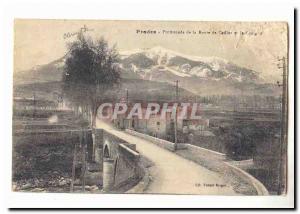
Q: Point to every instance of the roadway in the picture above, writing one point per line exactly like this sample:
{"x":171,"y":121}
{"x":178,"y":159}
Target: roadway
{"x":172,"y":174}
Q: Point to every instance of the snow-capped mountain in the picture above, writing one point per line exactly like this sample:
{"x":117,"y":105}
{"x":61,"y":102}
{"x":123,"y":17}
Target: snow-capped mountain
{"x":147,"y":63}
{"x":200,"y":75}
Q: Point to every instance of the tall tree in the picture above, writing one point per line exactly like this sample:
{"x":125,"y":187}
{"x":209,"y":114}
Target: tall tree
{"x":91,"y":71}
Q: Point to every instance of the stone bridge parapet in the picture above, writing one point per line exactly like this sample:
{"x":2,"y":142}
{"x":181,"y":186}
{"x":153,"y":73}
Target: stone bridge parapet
{"x":120,"y":159}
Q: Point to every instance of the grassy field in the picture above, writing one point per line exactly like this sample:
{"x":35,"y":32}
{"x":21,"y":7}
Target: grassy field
{"x":42,"y":161}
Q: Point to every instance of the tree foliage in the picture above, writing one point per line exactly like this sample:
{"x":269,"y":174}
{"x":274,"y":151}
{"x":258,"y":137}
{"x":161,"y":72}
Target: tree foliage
{"x":91,"y":72}
{"x":92,"y":63}
{"x":248,"y":140}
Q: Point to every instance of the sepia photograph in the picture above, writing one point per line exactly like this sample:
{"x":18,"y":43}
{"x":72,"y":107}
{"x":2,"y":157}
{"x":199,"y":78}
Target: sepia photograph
{"x":150,"y":107}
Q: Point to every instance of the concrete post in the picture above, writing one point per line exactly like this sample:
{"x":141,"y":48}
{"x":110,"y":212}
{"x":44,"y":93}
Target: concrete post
{"x":98,"y":145}
{"x":99,"y":156}
{"x":108,"y":174}
{"x":90,"y":146}
{"x":98,"y":137}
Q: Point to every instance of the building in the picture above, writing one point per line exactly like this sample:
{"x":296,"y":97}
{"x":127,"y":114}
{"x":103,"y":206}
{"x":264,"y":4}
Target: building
{"x":158,"y":126}
{"x":21,"y":103}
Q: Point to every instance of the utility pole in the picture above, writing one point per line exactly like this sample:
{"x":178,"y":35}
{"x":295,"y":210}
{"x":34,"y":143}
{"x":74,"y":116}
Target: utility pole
{"x":175,"y":122}
{"x":34,"y":105}
{"x":283,"y":124}
{"x":127,"y":124}
{"x":83,"y":157}
{"x":73,"y":167}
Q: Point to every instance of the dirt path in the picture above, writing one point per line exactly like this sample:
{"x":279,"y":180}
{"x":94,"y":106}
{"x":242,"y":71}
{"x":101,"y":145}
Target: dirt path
{"x":172,"y":174}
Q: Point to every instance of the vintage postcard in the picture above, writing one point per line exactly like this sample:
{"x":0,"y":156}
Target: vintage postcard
{"x":150,"y":107}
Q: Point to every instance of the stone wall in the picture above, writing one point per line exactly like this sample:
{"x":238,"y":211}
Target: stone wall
{"x":160,"y":142}
{"x":206,"y":153}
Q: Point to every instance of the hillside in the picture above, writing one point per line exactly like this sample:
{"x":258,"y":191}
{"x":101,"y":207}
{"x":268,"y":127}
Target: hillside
{"x":138,"y":90}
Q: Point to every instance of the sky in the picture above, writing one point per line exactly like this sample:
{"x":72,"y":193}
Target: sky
{"x":39,"y":42}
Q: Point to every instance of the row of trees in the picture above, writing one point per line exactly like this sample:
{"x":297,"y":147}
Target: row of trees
{"x":245,"y":141}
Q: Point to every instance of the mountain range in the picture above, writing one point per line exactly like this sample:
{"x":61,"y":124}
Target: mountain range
{"x":199,"y":75}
